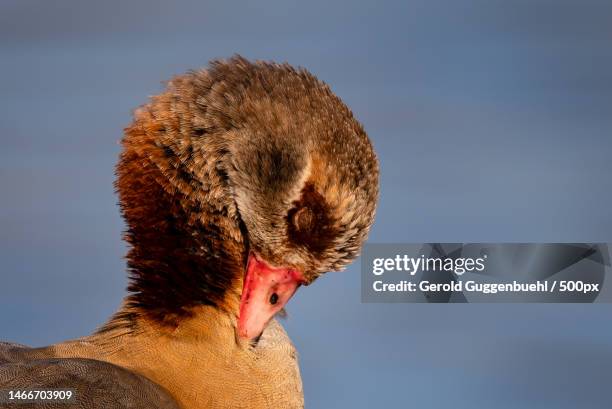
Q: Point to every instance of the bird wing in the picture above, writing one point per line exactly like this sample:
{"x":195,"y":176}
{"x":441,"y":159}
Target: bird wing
{"x":95,"y":384}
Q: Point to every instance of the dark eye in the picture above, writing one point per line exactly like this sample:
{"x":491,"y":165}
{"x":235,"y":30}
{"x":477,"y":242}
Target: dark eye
{"x":273,"y":298}
{"x":309,"y":223}
{"x":303,"y":219}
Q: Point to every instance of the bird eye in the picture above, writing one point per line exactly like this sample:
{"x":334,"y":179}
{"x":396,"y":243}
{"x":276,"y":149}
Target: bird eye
{"x":309,"y":223}
{"x":303,"y":219}
{"x":273,"y":298}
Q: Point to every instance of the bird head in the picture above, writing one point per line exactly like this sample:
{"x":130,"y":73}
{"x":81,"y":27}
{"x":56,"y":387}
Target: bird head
{"x":243,"y":178}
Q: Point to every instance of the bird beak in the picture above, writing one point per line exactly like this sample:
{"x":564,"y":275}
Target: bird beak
{"x":265,"y":292}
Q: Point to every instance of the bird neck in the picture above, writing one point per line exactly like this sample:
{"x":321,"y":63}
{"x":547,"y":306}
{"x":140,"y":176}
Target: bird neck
{"x":187,"y":244}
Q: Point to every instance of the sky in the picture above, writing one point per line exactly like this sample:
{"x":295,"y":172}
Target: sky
{"x":492,"y":121}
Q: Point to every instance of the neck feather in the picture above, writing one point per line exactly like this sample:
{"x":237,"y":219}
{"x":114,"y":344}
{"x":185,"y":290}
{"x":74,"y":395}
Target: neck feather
{"x":187,"y":247}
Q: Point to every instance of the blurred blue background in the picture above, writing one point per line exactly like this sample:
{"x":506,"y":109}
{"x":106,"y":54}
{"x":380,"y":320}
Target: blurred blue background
{"x":492,"y":120}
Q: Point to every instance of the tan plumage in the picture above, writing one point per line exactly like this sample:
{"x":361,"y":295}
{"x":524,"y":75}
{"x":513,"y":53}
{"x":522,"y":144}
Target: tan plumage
{"x":242,"y":158}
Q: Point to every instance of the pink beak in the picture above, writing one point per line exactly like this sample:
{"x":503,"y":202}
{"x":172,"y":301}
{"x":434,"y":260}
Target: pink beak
{"x":265,"y":292}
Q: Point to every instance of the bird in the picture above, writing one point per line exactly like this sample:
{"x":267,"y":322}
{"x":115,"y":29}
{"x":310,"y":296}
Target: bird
{"x":239,"y":183}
